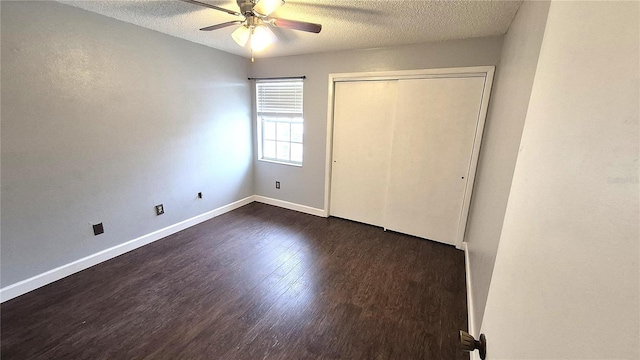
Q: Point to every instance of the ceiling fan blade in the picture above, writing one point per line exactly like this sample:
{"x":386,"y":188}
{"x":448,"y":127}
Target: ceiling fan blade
{"x":296,"y":25}
{"x":222,"y":25}
{"x":212,"y":7}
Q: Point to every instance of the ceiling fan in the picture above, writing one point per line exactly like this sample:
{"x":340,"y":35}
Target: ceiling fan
{"x":254,"y":28}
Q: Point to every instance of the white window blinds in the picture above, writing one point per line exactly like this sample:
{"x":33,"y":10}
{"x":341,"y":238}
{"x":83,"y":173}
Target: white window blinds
{"x":279,"y":98}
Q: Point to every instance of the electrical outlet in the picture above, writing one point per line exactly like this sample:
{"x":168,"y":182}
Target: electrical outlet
{"x":277,"y":184}
{"x":199,"y":195}
{"x":98,"y":229}
{"x":159,"y":209}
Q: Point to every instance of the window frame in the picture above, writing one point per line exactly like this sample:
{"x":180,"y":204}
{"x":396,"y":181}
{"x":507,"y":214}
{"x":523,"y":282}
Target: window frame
{"x":286,"y":116}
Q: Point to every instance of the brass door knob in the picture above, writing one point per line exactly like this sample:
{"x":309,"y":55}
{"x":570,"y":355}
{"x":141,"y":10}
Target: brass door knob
{"x":469,"y":343}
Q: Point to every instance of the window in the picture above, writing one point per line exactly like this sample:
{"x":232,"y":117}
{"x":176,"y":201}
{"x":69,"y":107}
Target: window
{"x":280,"y":120}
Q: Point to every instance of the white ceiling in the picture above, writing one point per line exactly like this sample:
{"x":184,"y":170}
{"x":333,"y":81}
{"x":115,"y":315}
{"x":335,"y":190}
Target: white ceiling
{"x":346,"y":24}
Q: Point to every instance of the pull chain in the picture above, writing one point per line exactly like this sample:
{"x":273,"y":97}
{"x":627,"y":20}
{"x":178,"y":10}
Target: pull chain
{"x":250,"y":44}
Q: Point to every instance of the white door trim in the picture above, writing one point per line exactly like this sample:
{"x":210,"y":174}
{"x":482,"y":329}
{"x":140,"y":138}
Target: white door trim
{"x":475,"y":153}
{"x":485,"y":71}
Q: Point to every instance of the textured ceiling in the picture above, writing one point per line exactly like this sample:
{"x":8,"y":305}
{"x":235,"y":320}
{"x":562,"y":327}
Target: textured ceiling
{"x":346,"y":24}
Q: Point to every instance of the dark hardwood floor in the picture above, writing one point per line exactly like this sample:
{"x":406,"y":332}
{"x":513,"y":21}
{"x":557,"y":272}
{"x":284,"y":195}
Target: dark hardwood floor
{"x":259,"y":282}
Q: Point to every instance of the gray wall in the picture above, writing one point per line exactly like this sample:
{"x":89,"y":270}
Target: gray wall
{"x":305,"y":185}
{"x":102,"y":120}
{"x":566,"y":282}
{"x":503,"y":130}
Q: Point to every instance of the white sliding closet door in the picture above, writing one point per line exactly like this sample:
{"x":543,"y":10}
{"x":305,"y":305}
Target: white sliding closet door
{"x":363,"y":128}
{"x":434,"y":133}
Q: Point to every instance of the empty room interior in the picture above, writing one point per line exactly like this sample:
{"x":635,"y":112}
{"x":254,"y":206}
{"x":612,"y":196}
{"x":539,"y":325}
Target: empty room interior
{"x":270,"y":179}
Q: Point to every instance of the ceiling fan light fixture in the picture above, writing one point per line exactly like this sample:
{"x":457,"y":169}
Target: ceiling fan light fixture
{"x":241,"y":35}
{"x":266,"y":7}
{"x":261,"y":37}
{"x":255,"y":26}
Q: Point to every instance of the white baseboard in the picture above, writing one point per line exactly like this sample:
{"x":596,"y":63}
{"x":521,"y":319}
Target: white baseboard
{"x":470,"y":312}
{"x":470,"y":318}
{"x":24,"y":286}
{"x":291,"y":206}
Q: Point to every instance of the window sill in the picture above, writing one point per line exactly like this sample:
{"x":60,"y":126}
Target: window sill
{"x":280,"y":162}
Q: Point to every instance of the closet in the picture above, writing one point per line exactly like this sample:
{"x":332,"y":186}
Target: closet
{"x":405,"y":148}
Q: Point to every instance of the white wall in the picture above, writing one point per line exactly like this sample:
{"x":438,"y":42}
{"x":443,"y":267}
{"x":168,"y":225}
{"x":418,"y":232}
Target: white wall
{"x":566,"y":278}
{"x":102,"y":120}
{"x":502,"y":133}
{"x":305,"y":185}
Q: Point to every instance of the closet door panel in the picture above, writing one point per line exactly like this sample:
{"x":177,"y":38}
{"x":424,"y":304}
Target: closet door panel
{"x":363,"y":124}
{"x":432,"y":144}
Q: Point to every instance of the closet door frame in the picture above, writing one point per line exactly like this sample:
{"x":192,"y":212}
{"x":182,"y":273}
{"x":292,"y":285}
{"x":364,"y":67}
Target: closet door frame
{"x":476,"y":71}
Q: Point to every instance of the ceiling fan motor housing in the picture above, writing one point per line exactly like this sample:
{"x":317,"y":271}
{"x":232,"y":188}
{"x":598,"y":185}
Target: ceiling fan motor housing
{"x":246,"y":7}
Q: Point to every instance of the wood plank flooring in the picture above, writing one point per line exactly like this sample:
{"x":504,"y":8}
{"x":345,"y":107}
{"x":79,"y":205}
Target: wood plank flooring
{"x":259,"y":282}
